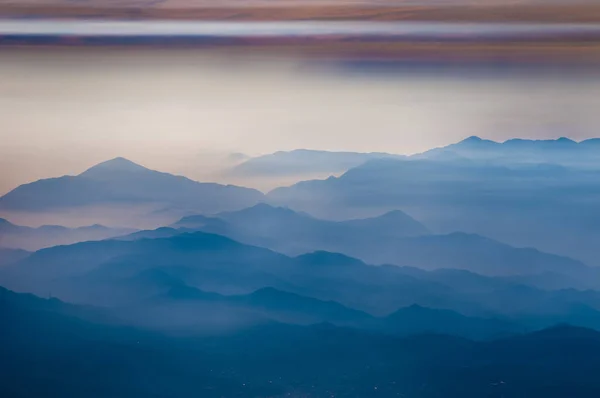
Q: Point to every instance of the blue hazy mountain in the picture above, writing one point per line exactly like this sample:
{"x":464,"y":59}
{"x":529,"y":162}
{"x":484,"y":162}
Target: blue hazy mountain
{"x":178,"y":307}
{"x":473,"y":253}
{"x":293,"y":233}
{"x":394,"y":223}
{"x":91,"y":270}
{"x":563,"y":151}
{"x":196,"y":311}
{"x":204,"y":311}
{"x":418,"y":320}
{"x":120,"y":181}
{"x":549,"y":207}
{"x":17,"y":236}
{"x":9,"y":256}
{"x":219,"y":251}
{"x":121,"y":273}
{"x":393,"y":238}
{"x":294,"y":304}
{"x":303,"y":162}
{"x":241,"y":298}
{"x":45,"y":351}
{"x":162,"y":232}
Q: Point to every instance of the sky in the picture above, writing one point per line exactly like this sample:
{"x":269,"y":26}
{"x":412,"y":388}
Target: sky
{"x":185,"y":112}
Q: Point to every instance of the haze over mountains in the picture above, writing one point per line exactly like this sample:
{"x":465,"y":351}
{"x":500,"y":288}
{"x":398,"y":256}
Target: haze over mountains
{"x":257,"y":362}
{"x":517,"y":194}
{"x":123,"y":185}
{"x":392,"y":238}
{"x":303,"y":162}
{"x":121,"y":181}
{"x":130,"y":275}
{"x":468,"y":270}
{"x":563,"y":151}
{"x":27,"y":238}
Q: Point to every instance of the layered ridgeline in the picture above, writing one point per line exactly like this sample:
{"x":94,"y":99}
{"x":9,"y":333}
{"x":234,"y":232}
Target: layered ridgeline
{"x":74,"y":354}
{"x":199,"y":281}
{"x":392,"y":238}
{"x":301,"y":163}
{"x":120,"y":182}
{"x":524,"y":193}
{"x":22,"y":237}
{"x":9,"y":256}
{"x":443,"y":274}
{"x":563,"y":151}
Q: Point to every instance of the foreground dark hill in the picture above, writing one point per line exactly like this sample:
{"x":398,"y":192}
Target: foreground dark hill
{"x":122,"y":182}
{"x":196,"y":310}
{"x":46,"y":352}
{"x":181,"y":308}
{"x":21,"y":237}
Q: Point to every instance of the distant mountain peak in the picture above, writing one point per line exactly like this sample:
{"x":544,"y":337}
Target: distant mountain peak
{"x":95,"y":226}
{"x":6,"y":225}
{"x":396,"y":219}
{"x":269,"y":208}
{"x":561,"y":140}
{"x":262,"y":210}
{"x":394,"y":214}
{"x":118,"y":164}
{"x":194,"y":219}
{"x":475,"y":140}
{"x":566,"y":140}
{"x":262,"y":206}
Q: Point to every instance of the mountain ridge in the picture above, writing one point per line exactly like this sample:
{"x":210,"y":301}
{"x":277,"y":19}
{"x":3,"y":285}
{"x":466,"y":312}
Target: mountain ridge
{"x":120,"y":181}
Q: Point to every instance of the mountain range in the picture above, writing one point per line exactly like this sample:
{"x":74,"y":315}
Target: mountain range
{"x":464,"y":271}
{"x":8,"y":256}
{"x":393,"y":238}
{"x":563,"y":151}
{"x":293,"y":233}
{"x":522,"y":204}
{"x":21,"y":237}
{"x":276,"y":359}
{"x":122,"y":182}
{"x":303,"y":162}
{"x":125,"y":274}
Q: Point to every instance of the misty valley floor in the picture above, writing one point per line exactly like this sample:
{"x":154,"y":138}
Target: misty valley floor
{"x":76,"y":358}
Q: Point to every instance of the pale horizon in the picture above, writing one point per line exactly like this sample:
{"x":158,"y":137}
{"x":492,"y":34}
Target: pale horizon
{"x":185,"y":112}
